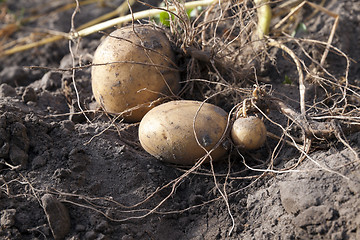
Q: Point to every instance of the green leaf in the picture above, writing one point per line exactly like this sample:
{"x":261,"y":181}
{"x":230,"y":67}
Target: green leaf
{"x":164,"y":18}
{"x":301,"y":28}
{"x":287,"y":80}
{"x":188,"y":12}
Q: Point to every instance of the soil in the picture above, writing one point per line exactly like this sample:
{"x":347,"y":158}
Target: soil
{"x":78,"y":180}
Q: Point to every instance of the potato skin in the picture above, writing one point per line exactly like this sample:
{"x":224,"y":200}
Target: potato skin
{"x":127,"y":78}
{"x":248,"y":133}
{"x":166,"y":131}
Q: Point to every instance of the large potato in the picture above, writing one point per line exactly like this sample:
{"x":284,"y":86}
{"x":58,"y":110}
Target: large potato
{"x":167,"y":131}
{"x":133,"y":71}
{"x":248,"y":133}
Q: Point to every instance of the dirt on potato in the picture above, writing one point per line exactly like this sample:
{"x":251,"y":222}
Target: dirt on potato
{"x":64,"y":177}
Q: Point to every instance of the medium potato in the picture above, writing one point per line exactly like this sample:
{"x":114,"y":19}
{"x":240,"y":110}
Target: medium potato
{"x":248,"y":133}
{"x":167,"y":132}
{"x":132,"y":70}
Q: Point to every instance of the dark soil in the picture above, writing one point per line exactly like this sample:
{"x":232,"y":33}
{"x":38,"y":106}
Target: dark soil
{"x":76,"y":183}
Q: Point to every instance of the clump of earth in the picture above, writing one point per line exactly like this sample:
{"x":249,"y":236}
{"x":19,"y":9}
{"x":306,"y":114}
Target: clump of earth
{"x":64,"y":177}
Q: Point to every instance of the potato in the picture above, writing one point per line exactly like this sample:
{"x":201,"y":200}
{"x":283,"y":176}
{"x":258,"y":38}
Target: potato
{"x":133,"y":71}
{"x":248,"y":133}
{"x":167,"y":132}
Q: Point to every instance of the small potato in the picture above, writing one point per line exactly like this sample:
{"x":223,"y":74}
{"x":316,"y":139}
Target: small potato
{"x":167,"y":131}
{"x":248,"y":133}
{"x":132,"y":71}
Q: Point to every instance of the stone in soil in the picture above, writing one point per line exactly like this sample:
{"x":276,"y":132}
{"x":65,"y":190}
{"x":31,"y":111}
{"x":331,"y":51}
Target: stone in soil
{"x":57,"y":216}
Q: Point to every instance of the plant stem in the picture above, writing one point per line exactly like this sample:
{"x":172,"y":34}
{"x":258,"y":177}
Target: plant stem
{"x":104,"y":25}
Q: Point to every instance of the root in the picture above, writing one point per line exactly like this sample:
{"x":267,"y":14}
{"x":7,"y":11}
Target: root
{"x":275,"y":43}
